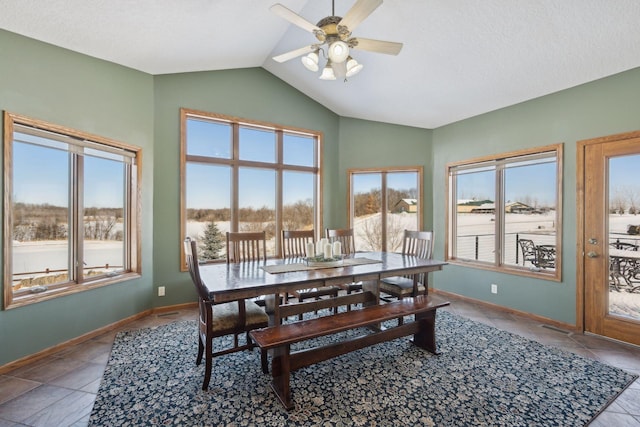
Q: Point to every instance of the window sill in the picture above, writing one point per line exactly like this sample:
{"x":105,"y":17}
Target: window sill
{"x":33,"y":298}
{"x":551,"y":275}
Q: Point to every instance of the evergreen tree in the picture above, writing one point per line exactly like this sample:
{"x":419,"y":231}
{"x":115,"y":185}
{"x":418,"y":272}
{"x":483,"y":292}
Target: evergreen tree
{"x":212,"y":242}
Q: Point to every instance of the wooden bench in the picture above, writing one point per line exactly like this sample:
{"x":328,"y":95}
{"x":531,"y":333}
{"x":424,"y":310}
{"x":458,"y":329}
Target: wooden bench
{"x":280,"y":337}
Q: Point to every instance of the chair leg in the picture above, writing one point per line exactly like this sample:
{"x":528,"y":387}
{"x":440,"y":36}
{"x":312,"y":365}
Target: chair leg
{"x":200,"y":350}
{"x":263,"y":360}
{"x":208,"y":362}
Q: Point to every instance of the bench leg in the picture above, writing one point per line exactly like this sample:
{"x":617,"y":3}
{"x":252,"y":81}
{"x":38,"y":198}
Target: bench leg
{"x":281,"y":373}
{"x":426,"y":336}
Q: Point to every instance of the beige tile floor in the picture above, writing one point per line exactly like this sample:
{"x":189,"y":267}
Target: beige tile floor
{"x":60,"y":390}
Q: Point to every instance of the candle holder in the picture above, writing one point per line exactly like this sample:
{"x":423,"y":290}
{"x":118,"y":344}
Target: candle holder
{"x":321,"y":261}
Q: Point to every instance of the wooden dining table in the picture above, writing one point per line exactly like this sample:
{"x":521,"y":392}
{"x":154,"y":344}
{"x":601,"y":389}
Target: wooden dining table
{"x":275,"y":277}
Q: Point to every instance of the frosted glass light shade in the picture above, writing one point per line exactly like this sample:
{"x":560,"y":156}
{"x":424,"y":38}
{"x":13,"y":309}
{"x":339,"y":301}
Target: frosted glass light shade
{"x":310,"y":61}
{"x":338,"y":51}
{"x":353,"y":67}
{"x":327,"y":72}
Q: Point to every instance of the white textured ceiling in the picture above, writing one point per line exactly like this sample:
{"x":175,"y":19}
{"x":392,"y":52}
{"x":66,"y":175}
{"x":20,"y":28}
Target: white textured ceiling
{"x":460,"y":58}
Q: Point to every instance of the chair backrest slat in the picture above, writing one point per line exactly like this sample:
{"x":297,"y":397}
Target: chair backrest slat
{"x":249,"y":246}
{"x":418,"y":243}
{"x":294,"y":243}
{"x":345,"y":237}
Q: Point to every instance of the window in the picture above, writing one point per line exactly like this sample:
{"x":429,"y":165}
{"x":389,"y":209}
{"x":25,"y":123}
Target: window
{"x":379,"y":222}
{"x":72,"y":215}
{"x":504,"y":212}
{"x":242,"y":175}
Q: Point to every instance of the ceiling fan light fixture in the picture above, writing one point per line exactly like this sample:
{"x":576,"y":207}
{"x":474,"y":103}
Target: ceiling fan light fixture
{"x":310,"y":61}
{"x":338,"y":51}
{"x":327,"y":72}
{"x":353,"y":67}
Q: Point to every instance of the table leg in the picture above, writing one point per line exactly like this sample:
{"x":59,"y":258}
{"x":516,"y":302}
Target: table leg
{"x":426,"y":336}
{"x":281,"y":374}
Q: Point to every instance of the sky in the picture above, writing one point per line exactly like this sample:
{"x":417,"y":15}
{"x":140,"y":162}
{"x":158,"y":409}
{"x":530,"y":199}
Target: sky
{"x":41,"y":175}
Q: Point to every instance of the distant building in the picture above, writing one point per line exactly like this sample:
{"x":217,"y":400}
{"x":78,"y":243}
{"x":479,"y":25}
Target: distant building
{"x":488,"y":207}
{"x":476,"y":206}
{"x":405,"y":205}
{"x":517,"y":207}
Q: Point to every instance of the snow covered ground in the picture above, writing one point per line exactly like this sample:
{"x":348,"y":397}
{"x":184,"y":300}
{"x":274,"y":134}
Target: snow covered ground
{"x":38,"y":256}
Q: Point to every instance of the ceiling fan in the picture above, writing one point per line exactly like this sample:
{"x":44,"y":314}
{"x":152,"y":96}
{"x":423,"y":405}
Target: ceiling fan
{"x":334,"y":35}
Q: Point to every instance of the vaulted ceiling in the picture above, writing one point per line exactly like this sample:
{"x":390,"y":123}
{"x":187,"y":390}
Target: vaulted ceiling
{"x":460,"y":58}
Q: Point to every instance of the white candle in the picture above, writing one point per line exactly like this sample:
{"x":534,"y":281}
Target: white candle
{"x":311,"y":250}
{"x":319,"y":247}
{"x":337,"y":248}
{"x":327,"y":250}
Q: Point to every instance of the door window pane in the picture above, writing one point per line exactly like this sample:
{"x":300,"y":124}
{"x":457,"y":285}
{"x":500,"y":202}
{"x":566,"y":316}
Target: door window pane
{"x":624,"y":236}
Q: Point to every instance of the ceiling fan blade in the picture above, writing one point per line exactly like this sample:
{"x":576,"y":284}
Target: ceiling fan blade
{"x":294,"y":18}
{"x":294,"y":53}
{"x":358,"y":13}
{"x":378,"y":46}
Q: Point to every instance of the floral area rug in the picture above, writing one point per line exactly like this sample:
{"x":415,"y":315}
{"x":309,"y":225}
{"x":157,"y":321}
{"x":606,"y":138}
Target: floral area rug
{"x":483,"y":377}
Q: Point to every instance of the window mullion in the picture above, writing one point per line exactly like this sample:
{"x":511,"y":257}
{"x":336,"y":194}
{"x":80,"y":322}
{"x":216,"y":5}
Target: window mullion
{"x":383,"y":209}
{"x":279,"y":189}
{"x":499,"y":214}
{"x":77,"y":208}
{"x":235,"y":176}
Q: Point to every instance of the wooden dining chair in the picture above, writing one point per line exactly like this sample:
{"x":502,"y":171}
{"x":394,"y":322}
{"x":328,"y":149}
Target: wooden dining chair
{"x":294,"y":245}
{"x":217,"y":320}
{"x":418,"y":244}
{"x":246,"y":246}
{"x":347,"y":241}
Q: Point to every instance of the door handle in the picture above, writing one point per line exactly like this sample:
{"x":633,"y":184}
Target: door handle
{"x":592,"y":254}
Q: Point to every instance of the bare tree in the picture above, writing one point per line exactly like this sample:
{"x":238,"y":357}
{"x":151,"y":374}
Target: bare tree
{"x":372,"y":233}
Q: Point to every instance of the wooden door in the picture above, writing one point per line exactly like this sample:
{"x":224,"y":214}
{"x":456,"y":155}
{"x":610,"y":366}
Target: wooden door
{"x":609,"y":185}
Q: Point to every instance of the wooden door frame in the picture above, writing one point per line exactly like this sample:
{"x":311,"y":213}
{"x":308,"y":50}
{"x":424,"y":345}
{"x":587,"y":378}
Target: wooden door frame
{"x":580,"y":216}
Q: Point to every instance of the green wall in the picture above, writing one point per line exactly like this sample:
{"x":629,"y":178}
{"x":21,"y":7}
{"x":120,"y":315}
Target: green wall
{"x":247,"y":93}
{"x":599,"y":108}
{"x":62,"y":87}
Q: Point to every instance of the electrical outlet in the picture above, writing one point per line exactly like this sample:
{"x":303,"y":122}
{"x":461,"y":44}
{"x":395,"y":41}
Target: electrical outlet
{"x":160,"y":291}
{"x":494,"y":288}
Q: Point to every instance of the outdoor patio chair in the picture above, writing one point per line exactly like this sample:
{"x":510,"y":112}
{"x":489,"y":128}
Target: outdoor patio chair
{"x":218,"y":320}
{"x":529,"y":252}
